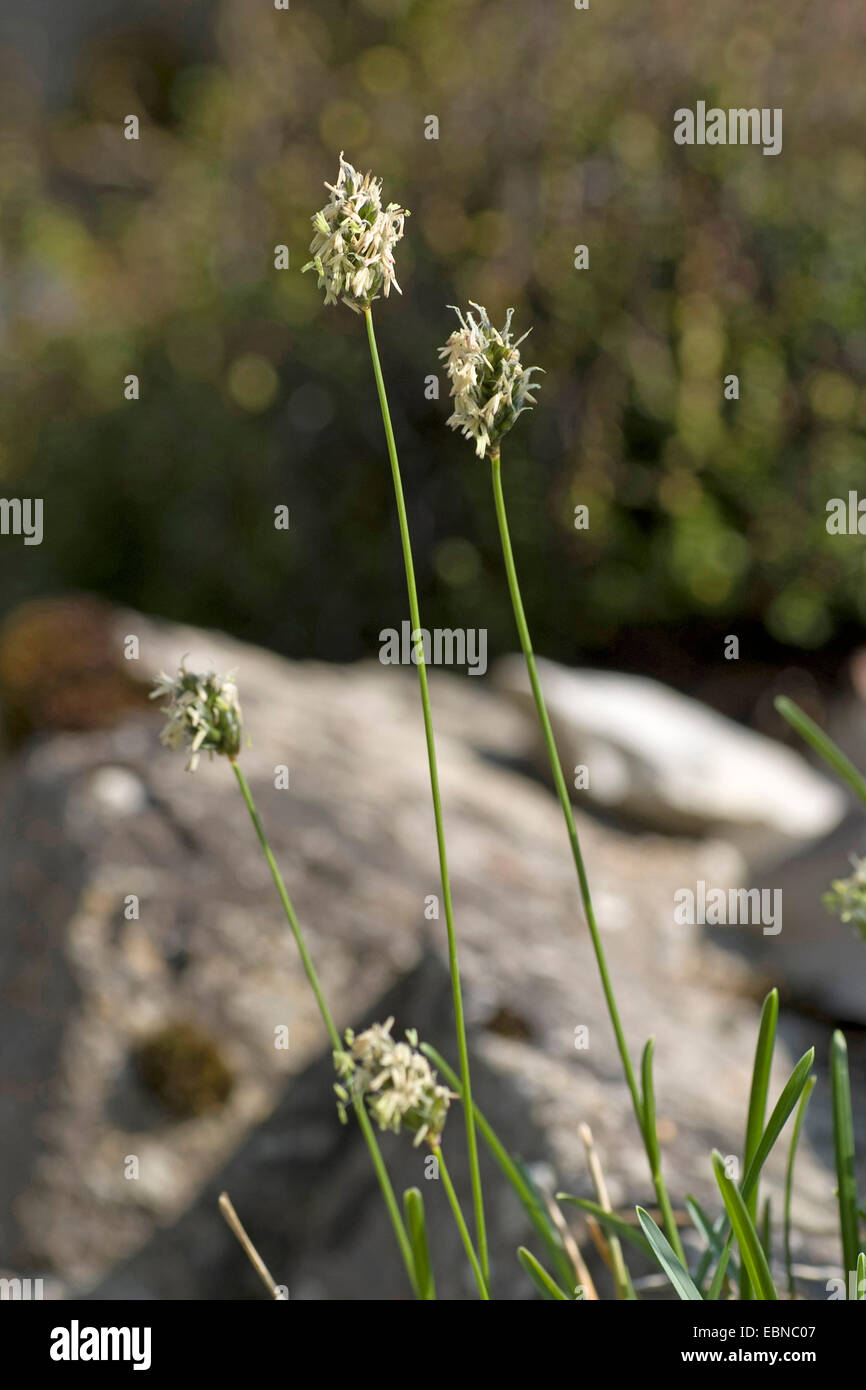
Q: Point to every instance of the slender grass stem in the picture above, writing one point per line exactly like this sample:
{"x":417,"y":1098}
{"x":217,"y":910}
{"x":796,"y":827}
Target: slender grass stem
{"x":306,"y":959}
{"x":456,"y":990}
{"x":529,"y":1198}
{"x":336,"y":1042}
{"x":462,"y":1228}
{"x":565,"y":803}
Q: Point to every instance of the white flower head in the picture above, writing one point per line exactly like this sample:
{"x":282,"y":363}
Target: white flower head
{"x":490,"y":386}
{"x":353,"y":246}
{"x":204,"y":714}
{"x":395,"y":1080}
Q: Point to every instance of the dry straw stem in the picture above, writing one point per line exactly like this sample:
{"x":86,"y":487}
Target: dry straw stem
{"x":235,"y":1225}
{"x":617,"y":1259}
{"x":570,"y":1245}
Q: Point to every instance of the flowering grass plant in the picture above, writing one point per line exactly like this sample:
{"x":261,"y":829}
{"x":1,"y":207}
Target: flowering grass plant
{"x":409,"y":1086}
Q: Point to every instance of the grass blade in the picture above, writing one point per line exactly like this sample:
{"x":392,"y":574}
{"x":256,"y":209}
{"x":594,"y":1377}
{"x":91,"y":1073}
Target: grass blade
{"x":757,"y":1114}
{"x":743,"y":1227}
{"x":767,"y":1230}
{"x":789,"y":1179}
{"x":416,"y":1227}
{"x":653,"y":1149}
{"x":843,"y":1146}
{"x":822,"y":744}
{"x":609,"y":1221}
{"x":861,"y":1276}
{"x":791,"y":1092}
{"x":715,"y":1290}
{"x":712,"y":1236}
{"x":543,"y":1281}
{"x":664,"y":1253}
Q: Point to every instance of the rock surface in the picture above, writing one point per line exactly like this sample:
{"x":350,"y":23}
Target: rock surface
{"x":677,"y":766}
{"x":817,"y":960}
{"x":92,"y":821}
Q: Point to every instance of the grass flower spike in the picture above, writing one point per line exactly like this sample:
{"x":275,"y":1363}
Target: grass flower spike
{"x":397,"y":1081}
{"x":204,"y":714}
{"x":489,"y":384}
{"x":396,"y":1084}
{"x":353,"y":246}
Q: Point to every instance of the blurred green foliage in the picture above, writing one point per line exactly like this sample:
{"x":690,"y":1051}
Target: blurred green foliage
{"x":156,"y":257}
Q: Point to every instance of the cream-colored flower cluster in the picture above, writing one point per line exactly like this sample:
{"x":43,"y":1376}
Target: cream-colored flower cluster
{"x":395,"y":1080}
{"x":353,"y":246}
{"x":489,"y":384}
{"x":847,"y":896}
{"x":204,"y":714}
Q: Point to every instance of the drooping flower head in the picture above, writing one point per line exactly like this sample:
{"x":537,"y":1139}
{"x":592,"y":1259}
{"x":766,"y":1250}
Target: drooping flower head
{"x":489,"y":384}
{"x":353,"y":246}
{"x":204,"y":714}
{"x":394,"y":1080}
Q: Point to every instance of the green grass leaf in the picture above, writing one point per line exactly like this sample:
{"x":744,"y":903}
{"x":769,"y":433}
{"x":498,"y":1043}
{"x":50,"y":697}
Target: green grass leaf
{"x":789,"y":1179}
{"x":664,"y":1253}
{"x":861,"y":1276}
{"x":543,"y":1281}
{"x":843,"y":1146}
{"x":653,"y":1148}
{"x":757,"y":1113}
{"x":822,"y":744}
{"x":791,"y":1093}
{"x":751,"y":1251}
{"x":416,"y":1228}
{"x":767,"y":1230}
{"x":609,"y":1221}
{"x":712,"y":1237}
{"x":648,"y":1098}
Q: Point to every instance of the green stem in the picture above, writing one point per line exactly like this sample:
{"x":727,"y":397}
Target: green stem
{"x":565,"y":803}
{"x":336,"y":1042}
{"x":537,"y":1214}
{"x":461,"y":1226}
{"x":456,"y":991}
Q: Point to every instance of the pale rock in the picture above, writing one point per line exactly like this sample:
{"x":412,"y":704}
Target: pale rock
{"x":674,"y":765}
{"x":354,"y":838}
